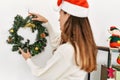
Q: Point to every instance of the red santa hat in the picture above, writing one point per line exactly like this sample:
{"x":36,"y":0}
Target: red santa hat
{"x":78,"y":8}
{"x":113,"y":28}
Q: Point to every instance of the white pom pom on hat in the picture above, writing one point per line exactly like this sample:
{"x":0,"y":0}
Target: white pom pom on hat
{"x":78,"y":8}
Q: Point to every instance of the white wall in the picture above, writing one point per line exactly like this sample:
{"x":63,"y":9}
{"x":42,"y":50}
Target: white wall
{"x":102,"y":14}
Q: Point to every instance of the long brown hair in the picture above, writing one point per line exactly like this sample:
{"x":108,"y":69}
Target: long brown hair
{"x":78,"y":31}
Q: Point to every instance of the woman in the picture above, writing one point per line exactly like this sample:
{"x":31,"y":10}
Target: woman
{"x":74,"y":50}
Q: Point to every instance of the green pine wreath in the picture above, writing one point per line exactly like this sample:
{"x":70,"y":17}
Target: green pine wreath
{"x":16,"y":40}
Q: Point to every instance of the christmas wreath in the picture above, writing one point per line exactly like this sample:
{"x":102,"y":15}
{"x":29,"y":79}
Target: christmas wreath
{"x":16,"y":40}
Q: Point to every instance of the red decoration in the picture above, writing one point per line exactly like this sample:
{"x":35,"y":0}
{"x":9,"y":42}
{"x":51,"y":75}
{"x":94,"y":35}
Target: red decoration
{"x":118,"y":59}
{"x":110,"y":72}
{"x":114,"y":39}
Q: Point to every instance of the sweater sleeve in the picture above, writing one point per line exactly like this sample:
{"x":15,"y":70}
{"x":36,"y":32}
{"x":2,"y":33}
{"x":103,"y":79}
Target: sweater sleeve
{"x":55,"y":37}
{"x":38,"y":71}
{"x":55,"y":67}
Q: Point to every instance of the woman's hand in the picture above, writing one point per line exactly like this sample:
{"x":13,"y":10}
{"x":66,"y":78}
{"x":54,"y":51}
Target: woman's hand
{"x":39,"y":17}
{"x":25,"y":55}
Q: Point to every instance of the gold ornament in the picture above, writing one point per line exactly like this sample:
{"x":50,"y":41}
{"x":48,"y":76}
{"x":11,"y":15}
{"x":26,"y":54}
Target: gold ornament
{"x":11,"y":30}
{"x":36,"y":48}
{"x":118,"y":41}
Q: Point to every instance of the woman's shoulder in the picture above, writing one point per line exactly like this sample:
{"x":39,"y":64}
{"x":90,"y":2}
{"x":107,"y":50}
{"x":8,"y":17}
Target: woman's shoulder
{"x":66,"y":48}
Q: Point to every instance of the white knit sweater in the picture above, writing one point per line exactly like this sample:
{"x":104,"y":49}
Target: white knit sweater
{"x":61,"y":66}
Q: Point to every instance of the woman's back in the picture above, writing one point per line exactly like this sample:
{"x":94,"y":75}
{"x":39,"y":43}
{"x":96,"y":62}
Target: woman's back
{"x":63,"y":65}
